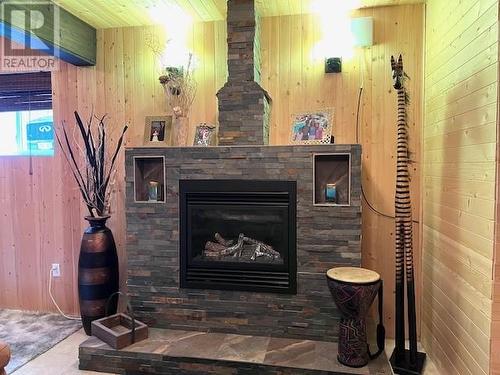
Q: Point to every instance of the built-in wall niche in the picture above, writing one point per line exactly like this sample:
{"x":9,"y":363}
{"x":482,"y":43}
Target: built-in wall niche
{"x":332,"y":179}
{"x":149,"y":179}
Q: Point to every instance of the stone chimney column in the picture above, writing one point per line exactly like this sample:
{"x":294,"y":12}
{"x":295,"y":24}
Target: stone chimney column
{"x":244,"y":106}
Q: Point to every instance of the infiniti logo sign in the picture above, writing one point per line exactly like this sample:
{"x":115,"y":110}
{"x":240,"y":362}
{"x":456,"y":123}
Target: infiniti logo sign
{"x":45,"y":128}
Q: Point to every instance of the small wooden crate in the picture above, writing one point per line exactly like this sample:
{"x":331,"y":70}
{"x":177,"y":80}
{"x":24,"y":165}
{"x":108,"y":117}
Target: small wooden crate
{"x":116,"y":330}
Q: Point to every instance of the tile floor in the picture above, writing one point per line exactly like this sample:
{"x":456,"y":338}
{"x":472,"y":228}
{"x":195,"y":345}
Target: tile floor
{"x":63,"y":359}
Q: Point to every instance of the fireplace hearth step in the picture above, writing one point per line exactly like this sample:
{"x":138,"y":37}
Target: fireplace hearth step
{"x":179,"y":352}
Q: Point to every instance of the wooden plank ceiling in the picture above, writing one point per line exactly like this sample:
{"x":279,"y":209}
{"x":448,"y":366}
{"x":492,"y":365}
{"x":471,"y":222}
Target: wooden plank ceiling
{"x":122,"y":13}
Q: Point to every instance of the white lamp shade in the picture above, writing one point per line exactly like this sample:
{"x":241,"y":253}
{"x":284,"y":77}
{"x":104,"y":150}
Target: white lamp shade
{"x":362,"y":31}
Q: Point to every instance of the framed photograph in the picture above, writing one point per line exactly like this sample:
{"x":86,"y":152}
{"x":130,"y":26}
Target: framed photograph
{"x":312,"y":127}
{"x":204,"y":135}
{"x":158,"y":131}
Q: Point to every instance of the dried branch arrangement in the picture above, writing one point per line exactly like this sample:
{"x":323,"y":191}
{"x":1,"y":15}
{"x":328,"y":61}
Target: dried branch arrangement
{"x":180,"y":88}
{"x":93,"y":166}
{"x":178,"y":83}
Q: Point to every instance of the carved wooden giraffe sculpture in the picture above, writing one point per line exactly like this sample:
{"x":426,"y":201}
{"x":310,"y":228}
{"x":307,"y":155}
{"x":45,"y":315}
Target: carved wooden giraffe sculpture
{"x":403,"y":228}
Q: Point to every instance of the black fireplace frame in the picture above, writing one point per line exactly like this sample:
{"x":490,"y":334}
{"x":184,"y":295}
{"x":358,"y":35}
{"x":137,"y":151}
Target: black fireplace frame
{"x":275,"y":278}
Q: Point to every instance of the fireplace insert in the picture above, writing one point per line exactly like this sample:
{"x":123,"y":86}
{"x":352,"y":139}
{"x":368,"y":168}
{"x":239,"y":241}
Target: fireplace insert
{"x":238,"y":235}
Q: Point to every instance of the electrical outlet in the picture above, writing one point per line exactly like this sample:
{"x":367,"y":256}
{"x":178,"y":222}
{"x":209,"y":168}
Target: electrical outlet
{"x":56,"y":270}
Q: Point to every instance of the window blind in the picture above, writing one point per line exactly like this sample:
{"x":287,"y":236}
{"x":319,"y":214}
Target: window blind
{"x":25,"y":91}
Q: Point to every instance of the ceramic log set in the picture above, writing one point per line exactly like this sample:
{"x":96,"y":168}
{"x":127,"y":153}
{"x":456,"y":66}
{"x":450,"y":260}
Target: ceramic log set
{"x":98,"y":276}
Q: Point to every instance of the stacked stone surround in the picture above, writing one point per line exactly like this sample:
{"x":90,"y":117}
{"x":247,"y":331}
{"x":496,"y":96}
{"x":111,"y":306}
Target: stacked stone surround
{"x":243,"y":114}
{"x":243,"y":104}
{"x":243,"y":45}
{"x":326,"y":237}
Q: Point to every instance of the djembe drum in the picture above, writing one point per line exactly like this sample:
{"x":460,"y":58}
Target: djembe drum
{"x":353,"y":290}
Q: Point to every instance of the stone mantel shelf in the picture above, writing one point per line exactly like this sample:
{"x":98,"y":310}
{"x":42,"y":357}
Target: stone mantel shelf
{"x":348,"y":145}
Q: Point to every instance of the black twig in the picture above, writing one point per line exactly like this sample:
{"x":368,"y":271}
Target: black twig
{"x":94,"y":185}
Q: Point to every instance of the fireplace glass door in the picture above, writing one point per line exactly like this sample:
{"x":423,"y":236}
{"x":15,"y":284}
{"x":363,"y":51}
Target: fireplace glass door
{"x":238,"y":234}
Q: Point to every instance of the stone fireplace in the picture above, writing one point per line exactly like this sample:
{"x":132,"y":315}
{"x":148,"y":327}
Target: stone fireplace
{"x":228,"y":246}
{"x":238,"y":235}
{"x":241,"y":242}
{"x":325,"y":237}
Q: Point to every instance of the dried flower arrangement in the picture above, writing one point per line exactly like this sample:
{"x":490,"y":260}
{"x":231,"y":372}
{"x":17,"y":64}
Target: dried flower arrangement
{"x":94,"y":166}
{"x":180,"y":88}
{"x":178,"y":82}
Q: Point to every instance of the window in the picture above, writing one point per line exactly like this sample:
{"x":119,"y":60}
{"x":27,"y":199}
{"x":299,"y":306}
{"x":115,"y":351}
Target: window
{"x":26,"y":120}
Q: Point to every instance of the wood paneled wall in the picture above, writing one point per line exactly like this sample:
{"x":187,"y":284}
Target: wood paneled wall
{"x":39,"y":225}
{"x":495,"y":311}
{"x":42,"y":217}
{"x":459,"y":148}
{"x":124,"y":84}
{"x":296,"y":81}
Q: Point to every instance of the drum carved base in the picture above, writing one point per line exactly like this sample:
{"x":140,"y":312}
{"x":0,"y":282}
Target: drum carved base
{"x":353,"y":351}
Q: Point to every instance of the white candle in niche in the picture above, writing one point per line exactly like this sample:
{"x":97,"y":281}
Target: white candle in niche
{"x":153,"y":191}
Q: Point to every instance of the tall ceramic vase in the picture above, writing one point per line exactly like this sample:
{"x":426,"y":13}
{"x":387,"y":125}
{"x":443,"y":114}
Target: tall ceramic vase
{"x":180,"y":125}
{"x":98,"y":275}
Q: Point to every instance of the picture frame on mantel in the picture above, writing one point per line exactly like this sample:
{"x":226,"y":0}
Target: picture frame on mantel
{"x":312,"y":127}
{"x":158,"y":131}
{"x":204,"y":135}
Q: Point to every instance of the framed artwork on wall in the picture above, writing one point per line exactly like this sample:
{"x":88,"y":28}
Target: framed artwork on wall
{"x":313,"y":127}
{"x":158,"y":131}
{"x":204,"y":135}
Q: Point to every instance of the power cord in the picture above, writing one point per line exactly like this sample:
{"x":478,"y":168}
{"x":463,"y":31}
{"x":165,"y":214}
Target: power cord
{"x":357,"y":114}
{"x":55,"y":303}
{"x":357,"y":141}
